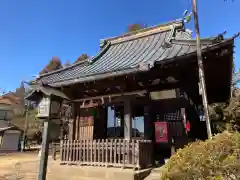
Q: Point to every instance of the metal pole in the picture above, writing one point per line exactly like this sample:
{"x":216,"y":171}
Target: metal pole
{"x":201,"y":70}
{"x":25,"y":126}
{"x":45,"y":147}
{"x":25,"y":130}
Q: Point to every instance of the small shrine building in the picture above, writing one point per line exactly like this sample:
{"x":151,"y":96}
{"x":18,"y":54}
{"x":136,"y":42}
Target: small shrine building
{"x":151,"y":73}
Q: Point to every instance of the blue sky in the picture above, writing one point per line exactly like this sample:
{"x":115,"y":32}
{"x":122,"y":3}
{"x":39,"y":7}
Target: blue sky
{"x":33,"y":31}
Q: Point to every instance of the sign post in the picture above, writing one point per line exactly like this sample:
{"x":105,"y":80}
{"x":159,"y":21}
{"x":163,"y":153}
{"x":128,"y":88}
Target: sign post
{"x":49,"y":103}
{"x":45,"y":146}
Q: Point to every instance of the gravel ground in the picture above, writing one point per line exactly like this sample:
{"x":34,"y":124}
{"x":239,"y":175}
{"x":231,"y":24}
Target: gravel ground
{"x":25,"y":166}
{"x":12,"y":164}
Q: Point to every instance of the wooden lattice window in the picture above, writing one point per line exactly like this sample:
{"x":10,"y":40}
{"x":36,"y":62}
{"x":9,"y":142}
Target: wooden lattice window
{"x":172,"y":116}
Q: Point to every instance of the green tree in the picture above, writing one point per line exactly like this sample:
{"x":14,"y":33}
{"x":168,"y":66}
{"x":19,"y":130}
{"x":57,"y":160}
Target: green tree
{"x":225,"y":115}
{"x":81,"y":58}
{"x":135,"y":27}
{"x":54,"y":64}
{"x":236,"y":78}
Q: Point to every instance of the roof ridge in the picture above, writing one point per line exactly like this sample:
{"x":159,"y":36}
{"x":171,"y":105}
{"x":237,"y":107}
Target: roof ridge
{"x":144,"y":32}
{"x":204,"y":41}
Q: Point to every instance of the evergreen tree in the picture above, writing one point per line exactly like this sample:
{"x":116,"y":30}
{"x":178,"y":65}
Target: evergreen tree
{"x":82,"y":57}
{"x":54,"y":64}
{"x":135,"y":27}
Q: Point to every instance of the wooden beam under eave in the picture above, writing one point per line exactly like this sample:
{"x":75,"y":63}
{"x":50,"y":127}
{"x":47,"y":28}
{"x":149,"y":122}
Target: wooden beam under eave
{"x":111,"y":96}
{"x":90,"y":104}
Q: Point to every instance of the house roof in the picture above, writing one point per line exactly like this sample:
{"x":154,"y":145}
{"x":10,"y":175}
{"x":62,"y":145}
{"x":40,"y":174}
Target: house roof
{"x":9,"y":99}
{"x":130,"y":53}
{"x":48,"y":91}
{"x":5,"y":101}
{"x":9,"y":128}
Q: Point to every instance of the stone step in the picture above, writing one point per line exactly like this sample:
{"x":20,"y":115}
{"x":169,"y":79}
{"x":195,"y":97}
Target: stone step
{"x":155,"y":174}
{"x":53,"y":177}
{"x":152,"y":178}
{"x":156,"y":170}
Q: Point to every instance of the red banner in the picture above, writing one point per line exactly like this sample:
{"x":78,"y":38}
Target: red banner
{"x":188,"y":126}
{"x":161,"y":132}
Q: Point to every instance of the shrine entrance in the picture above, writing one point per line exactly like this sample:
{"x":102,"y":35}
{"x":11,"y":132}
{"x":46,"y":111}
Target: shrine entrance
{"x":115,"y":127}
{"x":175,"y":122}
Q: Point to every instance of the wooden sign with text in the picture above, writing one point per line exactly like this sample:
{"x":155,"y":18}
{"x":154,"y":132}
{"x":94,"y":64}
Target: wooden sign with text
{"x":44,"y":108}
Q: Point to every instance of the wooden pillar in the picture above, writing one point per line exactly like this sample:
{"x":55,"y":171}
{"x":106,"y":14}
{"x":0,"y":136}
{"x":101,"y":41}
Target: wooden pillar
{"x":100,"y":123}
{"x":183,"y":114}
{"x":127,"y":119}
{"x":77,"y":124}
{"x":75,"y":110}
{"x":71,"y":124}
{"x":148,"y":127}
{"x":70,"y":127}
{"x":61,"y":130}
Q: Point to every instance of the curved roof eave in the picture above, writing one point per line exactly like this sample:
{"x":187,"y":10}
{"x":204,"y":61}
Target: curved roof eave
{"x":109,"y":41}
{"x":91,"y":60}
{"x":123,"y":55}
{"x":137,"y":68}
{"x":194,"y":53}
{"x":98,"y":76}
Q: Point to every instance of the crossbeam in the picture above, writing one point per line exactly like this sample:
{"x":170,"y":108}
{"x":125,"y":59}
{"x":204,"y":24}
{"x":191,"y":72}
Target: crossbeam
{"x":140,"y":93}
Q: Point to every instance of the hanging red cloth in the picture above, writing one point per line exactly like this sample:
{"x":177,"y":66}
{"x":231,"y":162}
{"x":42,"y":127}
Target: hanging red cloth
{"x":161,"y":132}
{"x":188,"y":126}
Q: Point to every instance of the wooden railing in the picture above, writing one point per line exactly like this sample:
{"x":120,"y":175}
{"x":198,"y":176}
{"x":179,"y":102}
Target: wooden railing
{"x":107,"y":152}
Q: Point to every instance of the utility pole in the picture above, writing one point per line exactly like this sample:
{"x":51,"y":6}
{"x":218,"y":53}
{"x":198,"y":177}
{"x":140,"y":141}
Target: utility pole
{"x":26,"y":108}
{"x":201,"y":70}
{"x":26,"y":105}
{"x":25,"y":128}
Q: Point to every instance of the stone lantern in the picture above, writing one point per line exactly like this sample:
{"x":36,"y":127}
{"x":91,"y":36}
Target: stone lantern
{"x":49,"y":102}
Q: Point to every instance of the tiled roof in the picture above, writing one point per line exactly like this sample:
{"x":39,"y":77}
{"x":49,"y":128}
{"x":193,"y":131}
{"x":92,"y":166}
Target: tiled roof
{"x":5,"y":101}
{"x":129,"y":53}
{"x":46,"y":91}
{"x":9,"y":98}
{"x":5,"y":128}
